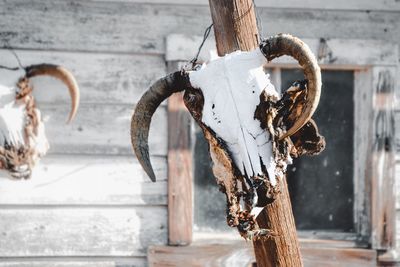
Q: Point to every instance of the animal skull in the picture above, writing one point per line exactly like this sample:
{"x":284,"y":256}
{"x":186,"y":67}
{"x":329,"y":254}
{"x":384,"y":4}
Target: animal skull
{"x":242,"y":117}
{"x":22,"y":132}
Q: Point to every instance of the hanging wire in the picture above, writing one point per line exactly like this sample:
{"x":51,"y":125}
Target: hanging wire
{"x":9,"y":68}
{"x":205,"y":36}
{"x":244,"y":14}
{"x":208,"y":30}
{"x":16,"y":56}
{"x":9,"y":48}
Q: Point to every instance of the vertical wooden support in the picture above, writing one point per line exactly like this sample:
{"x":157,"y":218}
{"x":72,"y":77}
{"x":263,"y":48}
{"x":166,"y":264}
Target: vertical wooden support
{"x":283,"y":250}
{"x":235,"y":29}
{"x":235,"y":25}
{"x":383,"y":210}
{"x":362,"y":150}
{"x":180,"y":182}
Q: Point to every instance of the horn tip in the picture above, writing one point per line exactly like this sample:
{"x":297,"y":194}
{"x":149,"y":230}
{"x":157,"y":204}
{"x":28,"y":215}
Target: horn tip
{"x":283,"y":136}
{"x":69,"y":120}
{"x":152,"y":176}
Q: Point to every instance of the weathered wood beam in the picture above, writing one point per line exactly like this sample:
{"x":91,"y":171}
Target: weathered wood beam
{"x":383,"y":211}
{"x":240,"y":254}
{"x":235,"y":28}
{"x":180,"y":182}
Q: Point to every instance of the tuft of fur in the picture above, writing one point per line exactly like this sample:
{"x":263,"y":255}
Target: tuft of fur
{"x":22,"y":134}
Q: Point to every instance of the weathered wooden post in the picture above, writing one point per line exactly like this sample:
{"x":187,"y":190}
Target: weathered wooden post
{"x":235,"y":28}
{"x":252,"y":132}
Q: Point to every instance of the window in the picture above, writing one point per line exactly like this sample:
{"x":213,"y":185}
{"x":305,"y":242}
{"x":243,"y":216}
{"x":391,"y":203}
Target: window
{"x":322,"y":187}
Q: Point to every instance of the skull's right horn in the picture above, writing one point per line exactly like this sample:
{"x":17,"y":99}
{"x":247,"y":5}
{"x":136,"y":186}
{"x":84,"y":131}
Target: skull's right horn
{"x":285,"y":44}
{"x":62,"y":74}
{"x":145,"y":108}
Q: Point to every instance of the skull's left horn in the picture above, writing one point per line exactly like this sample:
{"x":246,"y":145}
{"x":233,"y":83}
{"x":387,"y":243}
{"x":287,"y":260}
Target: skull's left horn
{"x":145,"y":108}
{"x":285,"y":44}
{"x":62,"y":74}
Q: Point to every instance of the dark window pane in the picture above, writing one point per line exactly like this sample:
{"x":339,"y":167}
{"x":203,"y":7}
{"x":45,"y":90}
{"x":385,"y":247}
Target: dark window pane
{"x":321,"y":187}
{"x":209,"y":203}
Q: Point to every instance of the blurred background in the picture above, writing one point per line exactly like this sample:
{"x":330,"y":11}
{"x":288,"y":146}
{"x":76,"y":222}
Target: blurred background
{"x":89,"y":203}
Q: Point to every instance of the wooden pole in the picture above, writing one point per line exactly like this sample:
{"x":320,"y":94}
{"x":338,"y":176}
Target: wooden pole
{"x":235,"y":28}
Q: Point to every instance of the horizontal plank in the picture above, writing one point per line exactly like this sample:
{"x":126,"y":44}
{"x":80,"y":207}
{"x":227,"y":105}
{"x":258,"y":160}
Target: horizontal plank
{"x":67,"y":262}
{"x":81,"y":232}
{"x":344,"y":51}
{"x":334,"y":257}
{"x":141,"y":27}
{"x":236,"y":254}
{"x":240,"y":253}
{"x":391,"y":5}
{"x":181,"y":47}
{"x":100,"y":129}
{"x":87,"y":180}
{"x":93,"y":26}
{"x":103,"y":78}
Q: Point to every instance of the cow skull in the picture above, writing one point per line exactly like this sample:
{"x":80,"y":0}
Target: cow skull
{"x":243,"y":119}
{"x":22,"y":133}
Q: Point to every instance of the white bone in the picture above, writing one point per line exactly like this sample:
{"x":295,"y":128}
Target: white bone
{"x":231,"y":86}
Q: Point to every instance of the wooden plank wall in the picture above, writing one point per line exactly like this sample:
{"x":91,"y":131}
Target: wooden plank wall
{"x":89,"y":203}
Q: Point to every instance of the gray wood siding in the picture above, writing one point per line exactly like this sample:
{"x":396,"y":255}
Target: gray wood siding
{"x":88,"y":202}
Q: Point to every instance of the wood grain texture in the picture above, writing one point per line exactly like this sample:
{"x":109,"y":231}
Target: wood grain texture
{"x":103,"y":78}
{"x":81,"y":232}
{"x":383,"y":160}
{"x":391,"y":5}
{"x":141,"y":28}
{"x":100,"y":129}
{"x":211,"y":255}
{"x":87,"y":180}
{"x":66,"y":262}
{"x":350,"y":52}
{"x":362,"y":139}
{"x":124,"y":37}
{"x":180,"y":180}
{"x":93,"y":26}
{"x":239,"y":254}
{"x":283,"y":250}
{"x":235,"y":28}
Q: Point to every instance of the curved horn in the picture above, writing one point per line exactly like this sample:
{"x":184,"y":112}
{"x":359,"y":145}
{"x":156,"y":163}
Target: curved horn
{"x":145,"y":108}
{"x":62,"y":74}
{"x":285,"y":44}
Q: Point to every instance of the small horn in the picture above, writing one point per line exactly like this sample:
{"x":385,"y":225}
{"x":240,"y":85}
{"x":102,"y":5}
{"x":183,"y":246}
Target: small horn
{"x":62,"y":74}
{"x":285,"y":44}
{"x":145,"y":108}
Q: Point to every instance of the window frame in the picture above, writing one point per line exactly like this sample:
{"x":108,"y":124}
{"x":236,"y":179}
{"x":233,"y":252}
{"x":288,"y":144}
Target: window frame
{"x":374,"y":196}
